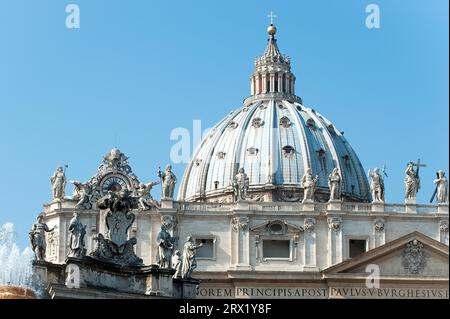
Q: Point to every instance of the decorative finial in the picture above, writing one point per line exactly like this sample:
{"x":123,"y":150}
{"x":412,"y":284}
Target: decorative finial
{"x":271,"y":29}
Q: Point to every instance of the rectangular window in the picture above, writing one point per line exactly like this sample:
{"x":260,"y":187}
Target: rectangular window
{"x":276,"y":248}
{"x":357,"y":247}
{"x":207,"y":250}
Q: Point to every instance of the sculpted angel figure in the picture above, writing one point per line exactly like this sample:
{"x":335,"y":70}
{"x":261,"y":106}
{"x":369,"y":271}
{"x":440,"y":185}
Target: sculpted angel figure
{"x":82,"y":192}
{"x":146,"y":200}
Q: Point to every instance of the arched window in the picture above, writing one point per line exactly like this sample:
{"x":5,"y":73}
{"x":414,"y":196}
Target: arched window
{"x":288,"y":150}
{"x":311,"y":124}
{"x":285,"y":122}
{"x":322,"y":159}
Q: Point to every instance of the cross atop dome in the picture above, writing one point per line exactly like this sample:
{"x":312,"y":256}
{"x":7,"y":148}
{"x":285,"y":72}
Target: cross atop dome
{"x":271,"y":16}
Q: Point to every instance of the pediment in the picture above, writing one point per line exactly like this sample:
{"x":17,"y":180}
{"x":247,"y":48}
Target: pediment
{"x":413,"y":255}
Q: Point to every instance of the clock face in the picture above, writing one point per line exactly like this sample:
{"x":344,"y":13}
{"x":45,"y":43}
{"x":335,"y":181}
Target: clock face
{"x":114,"y":183}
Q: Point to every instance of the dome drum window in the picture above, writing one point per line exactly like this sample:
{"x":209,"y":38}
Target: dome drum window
{"x":252,"y":151}
{"x":232,"y":125}
{"x":322,"y":159}
{"x":257,"y":122}
{"x":221,"y":155}
{"x":288,"y":151}
{"x":285,"y":122}
{"x":331,"y":129}
{"x":198,"y":162}
{"x":346,"y":159}
{"x":311,"y":124}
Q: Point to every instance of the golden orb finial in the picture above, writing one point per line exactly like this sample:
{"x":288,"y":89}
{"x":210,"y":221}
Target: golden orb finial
{"x":271,"y":29}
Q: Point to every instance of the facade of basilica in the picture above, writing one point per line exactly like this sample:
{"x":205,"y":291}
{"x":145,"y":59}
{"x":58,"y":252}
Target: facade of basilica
{"x":274,"y":204}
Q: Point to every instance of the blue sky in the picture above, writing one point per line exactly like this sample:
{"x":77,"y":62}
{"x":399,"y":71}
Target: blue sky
{"x":135,"y":70}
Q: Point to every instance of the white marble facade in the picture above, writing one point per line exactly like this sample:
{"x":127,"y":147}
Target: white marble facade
{"x":314,"y":243}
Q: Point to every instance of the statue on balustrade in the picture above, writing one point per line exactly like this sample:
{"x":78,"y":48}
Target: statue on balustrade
{"x":412,"y":182}
{"x":309,"y":183}
{"x":58,"y":181}
{"x":241,"y":185}
{"x":441,"y":187}
{"x":334,"y":183}
{"x":376,"y":186}
{"x":168,"y":180}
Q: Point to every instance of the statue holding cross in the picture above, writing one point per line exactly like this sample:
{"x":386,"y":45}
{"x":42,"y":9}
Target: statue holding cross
{"x":412,"y":179}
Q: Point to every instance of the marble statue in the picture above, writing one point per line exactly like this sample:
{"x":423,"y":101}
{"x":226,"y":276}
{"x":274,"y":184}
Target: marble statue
{"x":76,"y":240}
{"x":309,"y":185}
{"x":165,"y":247}
{"x":376,"y":185}
{"x":189,"y":263}
{"x":58,"y":180}
{"x":145,"y":198}
{"x":441,"y":187}
{"x":334,"y":183}
{"x":240,"y":185}
{"x":82,"y":193}
{"x":168,"y":180}
{"x":176,"y":263}
{"x":37,"y":238}
{"x":412,"y":182}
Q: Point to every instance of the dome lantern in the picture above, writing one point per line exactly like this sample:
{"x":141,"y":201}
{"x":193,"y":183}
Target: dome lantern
{"x":272,"y":75}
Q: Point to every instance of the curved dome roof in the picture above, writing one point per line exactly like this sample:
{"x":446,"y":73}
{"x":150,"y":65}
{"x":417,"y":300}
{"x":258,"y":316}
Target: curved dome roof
{"x":275,"y":139}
